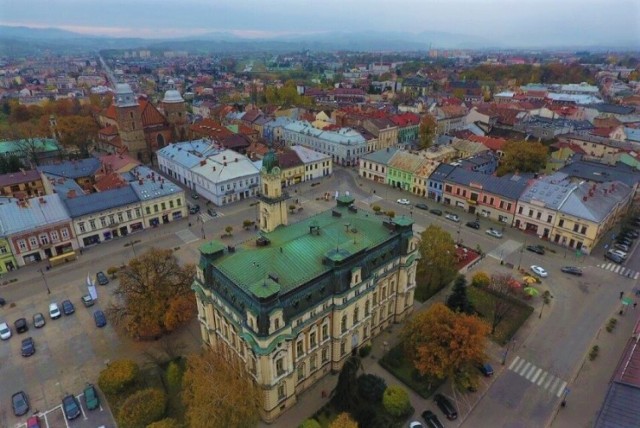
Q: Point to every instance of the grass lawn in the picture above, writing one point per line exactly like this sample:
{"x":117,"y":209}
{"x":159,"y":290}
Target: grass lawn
{"x":396,"y":363}
{"x":484,"y":303}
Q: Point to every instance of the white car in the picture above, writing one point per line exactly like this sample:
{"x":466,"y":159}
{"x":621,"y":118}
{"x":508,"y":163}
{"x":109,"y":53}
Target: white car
{"x":494,"y":232}
{"x":539,"y":271}
{"x":415,"y":424}
{"x":619,"y":253}
{"x":54,"y":311}
{"x":404,"y":201}
{"x":452,"y":217}
{"x":5,"y":331}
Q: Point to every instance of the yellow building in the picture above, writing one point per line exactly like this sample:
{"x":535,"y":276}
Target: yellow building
{"x":7,"y":261}
{"x":22,"y":184}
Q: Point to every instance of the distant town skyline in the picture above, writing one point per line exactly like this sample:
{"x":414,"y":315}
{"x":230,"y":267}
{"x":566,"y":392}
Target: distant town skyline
{"x":508,"y":22}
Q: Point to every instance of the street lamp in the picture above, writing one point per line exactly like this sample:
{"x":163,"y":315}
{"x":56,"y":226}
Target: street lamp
{"x":133,"y":247}
{"x":44,"y":278}
{"x":521,"y":252}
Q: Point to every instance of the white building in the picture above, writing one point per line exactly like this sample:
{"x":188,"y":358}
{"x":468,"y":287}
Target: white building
{"x":176,"y":160}
{"x":316,"y":164}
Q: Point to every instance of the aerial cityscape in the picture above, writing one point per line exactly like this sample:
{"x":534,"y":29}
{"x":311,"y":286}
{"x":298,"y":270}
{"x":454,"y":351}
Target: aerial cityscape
{"x":346,"y":214}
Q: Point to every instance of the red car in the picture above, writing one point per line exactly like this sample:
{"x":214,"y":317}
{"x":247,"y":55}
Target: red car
{"x":33,"y":422}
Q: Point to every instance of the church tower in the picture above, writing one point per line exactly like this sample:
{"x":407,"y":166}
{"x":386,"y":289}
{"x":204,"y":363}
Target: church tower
{"x":175,"y":110}
{"x":273,"y":201}
{"x":129,"y":118}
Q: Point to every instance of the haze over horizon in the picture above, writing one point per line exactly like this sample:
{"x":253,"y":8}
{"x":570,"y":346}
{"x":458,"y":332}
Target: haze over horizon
{"x":508,"y":22}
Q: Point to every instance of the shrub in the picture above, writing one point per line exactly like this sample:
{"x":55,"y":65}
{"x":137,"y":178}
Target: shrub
{"x":396,"y":401}
{"x":118,"y":376}
{"x":391,"y":214}
{"x":228,"y":229}
{"x":593,"y":354}
{"x":371,"y":387}
{"x":142,"y":408}
{"x":248,"y":223}
{"x":112,"y":271}
{"x":364,"y":351}
{"x":174,"y":375}
{"x":165,"y":423}
{"x":480,"y":279}
{"x":376,"y":209}
{"x":310,"y":423}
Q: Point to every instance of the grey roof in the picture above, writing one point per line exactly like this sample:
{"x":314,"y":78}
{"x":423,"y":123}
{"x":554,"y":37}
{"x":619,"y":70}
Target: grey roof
{"x":600,"y":173}
{"x":510,"y":188}
{"x":621,"y":408}
{"x":441,"y":172}
{"x":594,"y":202}
{"x":62,"y":185}
{"x":188,"y":153}
{"x":73,"y":169}
{"x":96,"y":202}
{"x":613,"y":108}
{"x":147,"y":184}
{"x":36,"y":213}
{"x":551,"y":194}
{"x":381,"y":157}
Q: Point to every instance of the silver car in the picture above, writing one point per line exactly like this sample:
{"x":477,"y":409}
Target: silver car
{"x":494,"y":232}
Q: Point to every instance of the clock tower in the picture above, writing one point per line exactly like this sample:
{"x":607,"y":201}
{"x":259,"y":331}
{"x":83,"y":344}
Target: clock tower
{"x":273,"y":201}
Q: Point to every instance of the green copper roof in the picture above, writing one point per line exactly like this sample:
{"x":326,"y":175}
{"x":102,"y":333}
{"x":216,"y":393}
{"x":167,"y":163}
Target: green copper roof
{"x":295,"y":255}
{"x":270,"y":160}
{"x":212,"y":247}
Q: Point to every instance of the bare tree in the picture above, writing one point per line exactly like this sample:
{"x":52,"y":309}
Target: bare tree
{"x":500,"y":285}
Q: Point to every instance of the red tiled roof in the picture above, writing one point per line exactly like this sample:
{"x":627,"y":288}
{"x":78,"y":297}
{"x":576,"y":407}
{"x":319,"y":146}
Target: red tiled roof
{"x":405,"y":119}
{"x":210,"y":128}
{"x":150,"y":114}
{"x":571,"y":146}
{"x":288,"y":159}
{"x":118,"y":162}
{"x":110,"y":112}
{"x":602,"y":132}
{"x":493,"y":144}
{"x":109,"y":181}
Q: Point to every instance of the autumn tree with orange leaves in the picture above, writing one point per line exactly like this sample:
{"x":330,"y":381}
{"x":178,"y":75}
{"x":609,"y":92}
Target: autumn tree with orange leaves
{"x":154,"y":295}
{"x":442,"y":343}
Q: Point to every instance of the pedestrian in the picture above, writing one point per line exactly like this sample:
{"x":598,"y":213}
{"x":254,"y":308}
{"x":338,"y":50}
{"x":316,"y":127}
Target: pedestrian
{"x":635,"y":304}
{"x":621,"y":294}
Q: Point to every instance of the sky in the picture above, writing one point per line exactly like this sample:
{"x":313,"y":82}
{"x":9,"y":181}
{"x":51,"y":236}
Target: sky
{"x":527,"y":22}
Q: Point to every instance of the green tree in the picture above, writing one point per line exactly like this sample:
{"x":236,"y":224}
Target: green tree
{"x":142,"y":408}
{"x":437,"y":265}
{"x":458,"y":301}
{"x":9,"y":164}
{"x":371,"y":387}
{"x":345,"y":395}
{"x":480,"y":279}
{"x":343,"y":420}
{"x":310,"y":423}
{"x":118,"y":376}
{"x":522,"y":156}
{"x":154,"y":295}
{"x":427,"y":131}
{"x":396,"y":401}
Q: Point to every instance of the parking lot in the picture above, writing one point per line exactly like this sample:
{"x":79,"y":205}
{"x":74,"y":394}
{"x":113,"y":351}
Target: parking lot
{"x":70,"y":352}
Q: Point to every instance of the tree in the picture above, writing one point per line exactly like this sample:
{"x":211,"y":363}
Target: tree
{"x":142,"y":408}
{"x":77,"y":133}
{"x":154,"y":295}
{"x":345,"y":395}
{"x":480,"y":279}
{"x":427,"y":131}
{"x":458,"y":301}
{"x":165,"y":423}
{"x":343,"y":420}
{"x":500,"y":284}
{"x":396,"y":401}
{"x":437,"y":266}
{"x":441,"y":342}
{"x":219,"y":392}
{"x":522,"y":156}
{"x":371,"y":387}
{"x":310,"y":423}
{"x":118,"y":376}
{"x":9,"y":164}
{"x":228,"y":230}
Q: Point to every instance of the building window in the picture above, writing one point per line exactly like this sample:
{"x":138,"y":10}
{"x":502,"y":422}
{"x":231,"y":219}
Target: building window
{"x":356,"y":314}
{"x":299,"y":348}
{"x":343,"y":324}
{"x":300,"y":372}
{"x":112,"y":219}
{"x":325,"y":355}
{"x":65,"y":233}
{"x":583,"y":230}
{"x":120,"y":217}
{"x":366,"y":309}
{"x":325,"y":332}
{"x":276,"y":324}
{"x":163,"y":206}
{"x":314,"y":362}
{"x":171,"y":204}
{"x":128,"y":214}
{"x":561,"y":223}
{"x":179,"y":202}
{"x":520,"y":210}
{"x":281,"y":391}
{"x":33,"y":242}
{"x":549,"y":218}
{"x":155,"y":208}
{"x":44,"y":239}
{"x":343,"y":347}
{"x":279,"y":366}
{"x":148,"y":210}
{"x":138,"y":212}
{"x":538,"y":215}
{"x":103,"y":221}
{"x":22,"y":244}
{"x":81,"y":227}
{"x":92,"y":224}
{"x":312,"y":340}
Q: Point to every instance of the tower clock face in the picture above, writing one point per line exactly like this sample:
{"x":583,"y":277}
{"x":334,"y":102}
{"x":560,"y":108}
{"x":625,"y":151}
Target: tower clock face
{"x":275,"y":170}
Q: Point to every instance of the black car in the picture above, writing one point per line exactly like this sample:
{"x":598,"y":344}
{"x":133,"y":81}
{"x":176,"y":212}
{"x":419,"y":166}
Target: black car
{"x":630,"y":233}
{"x":28,"y":347}
{"x":67,"y":307}
{"x":572,"y":270}
{"x":20,"y":403}
{"x":102,"y":278}
{"x":613,"y":257}
{"x":21,"y":325}
{"x":621,"y":247}
{"x":486,"y":369}
{"x":446,"y":406}
{"x":431,"y":419}
{"x":212,"y":213}
{"x":194,"y":209}
{"x":99,"y":318}
{"x":473,"y":224}
{"x":539,"y":249}
{"x":435,"y":211}
{"x":71,"y":407}
{"x":624,"y":241}
{"x":422,"y":206}
{"x":2,"y":302}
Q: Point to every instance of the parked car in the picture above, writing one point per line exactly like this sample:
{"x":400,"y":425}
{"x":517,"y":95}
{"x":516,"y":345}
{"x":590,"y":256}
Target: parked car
{"x":452,"y":217}
{"x":539,"y":249}
{"x":194,"y":195}
{"x":212,"y":212}
{"x":71,"y":407}
{"x":630,"y":233}
{"x":38,"y":320}
{"x":446,"y":406}
{"x":435,"y":211}
{"x":621,"y":247}
{"x":21,"y":325}
{"x":613,"y":257}
{"x":54,"y":311}
{"x":67,"y":307}
{"x":404,"y":201}
{"x":486,"y":369}
{"x":102,"y":278}
{"x":620,"y":253}
{"x":422,"y":206}
{"x":494,"y":232}
{"x":415,"y":424}
{"x":194,"y":209}
{"x":87,"y":300}
{"x":5,"y":331}
{"x":473,"y":224}
{"x":431,"y":419}
{"x":91,"y":398}
{"x":572,"y":270}
{"x":624,"y":241}
{"x":20,"y":403}
{"x":33,"y":422}
{"x":99,"y":318}
{"x":28,"y":347}
{"x":2,"y":302}
{"x":539,"y":270}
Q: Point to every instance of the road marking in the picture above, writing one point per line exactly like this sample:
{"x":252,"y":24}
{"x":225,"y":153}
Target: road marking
{"x":81,"y":408}
{"x":546,"y":385}
{"x":636,"y":275}
{"x":526,"y":367}
{"x":531,"y":370}
{"x":516,"y":368}
{"x":515,"y":360}
{"x":612,"y":267}
{"x":554,"y":385}
{"x":617,"y":269}
{"x":533,"y":380}
{"x":561,"y":389}
{"x":542,"y":378}
{"x":607,"y":266}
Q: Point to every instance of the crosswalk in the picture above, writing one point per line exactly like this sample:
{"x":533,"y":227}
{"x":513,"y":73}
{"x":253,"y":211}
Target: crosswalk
{"x":204,"y":217}
{"x":187,"y":236}
{"x":545,"y":380}
{"x":620,"y":270}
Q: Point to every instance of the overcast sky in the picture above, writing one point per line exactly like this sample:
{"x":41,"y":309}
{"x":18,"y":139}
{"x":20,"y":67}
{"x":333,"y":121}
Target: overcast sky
{"x":529,"y":22}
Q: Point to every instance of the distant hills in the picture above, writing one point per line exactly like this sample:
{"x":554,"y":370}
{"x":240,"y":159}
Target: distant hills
{"x":24,"y":40}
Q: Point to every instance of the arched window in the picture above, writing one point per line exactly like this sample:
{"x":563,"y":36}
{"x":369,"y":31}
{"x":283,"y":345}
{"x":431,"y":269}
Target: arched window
{"x":160,"y":140}
{"x":300,"y":372}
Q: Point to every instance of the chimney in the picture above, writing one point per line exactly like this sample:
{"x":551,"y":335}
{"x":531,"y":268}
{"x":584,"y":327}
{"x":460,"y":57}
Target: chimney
{"x":140,"y":182}
{"x":71,"y":194}
{"x":225,"y":164}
